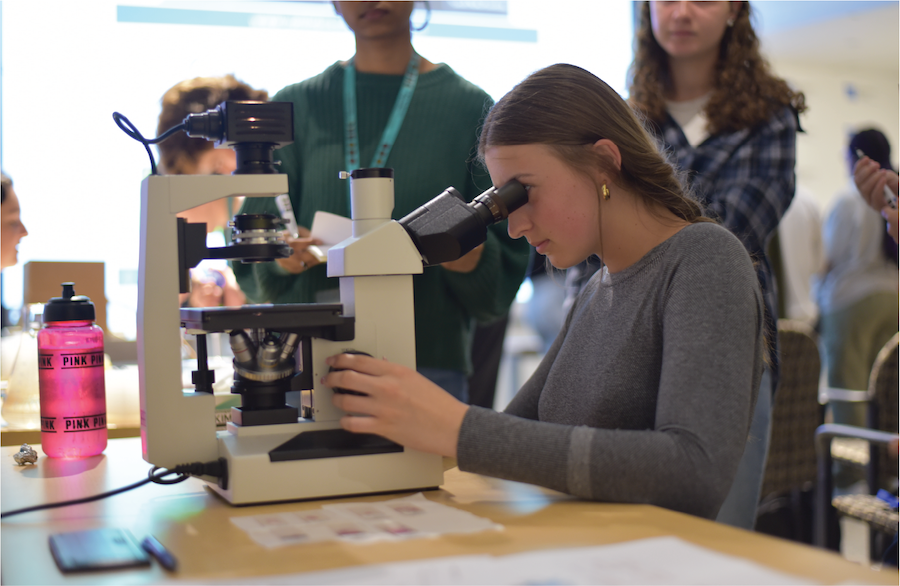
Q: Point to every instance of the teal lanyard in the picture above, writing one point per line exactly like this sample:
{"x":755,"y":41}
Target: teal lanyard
{"x":351,"y":132}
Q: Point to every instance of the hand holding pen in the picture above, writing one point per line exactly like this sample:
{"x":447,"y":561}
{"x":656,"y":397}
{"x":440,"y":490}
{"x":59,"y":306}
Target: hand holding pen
{"x":303,"y":257}
{"x":306,"y":252}
{"x":879,"y":187}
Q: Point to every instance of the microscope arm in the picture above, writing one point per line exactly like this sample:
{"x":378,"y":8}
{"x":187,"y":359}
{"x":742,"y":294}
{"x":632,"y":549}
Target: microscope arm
{"x":192,"y":249}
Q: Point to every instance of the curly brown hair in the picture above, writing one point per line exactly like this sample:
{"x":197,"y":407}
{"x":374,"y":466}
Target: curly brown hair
{"x":192,"y":96}
{"x":746,"y":92}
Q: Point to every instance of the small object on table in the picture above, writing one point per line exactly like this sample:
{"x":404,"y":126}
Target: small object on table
{"x":165,"y":558}
{"x":107,"y":548}
{"x":25,"y":455}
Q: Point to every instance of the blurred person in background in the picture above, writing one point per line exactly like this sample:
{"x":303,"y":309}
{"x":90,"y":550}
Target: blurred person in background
{"x":422,"y":120}
{"x":798,"y":257}
{"x":857,"y":292}
{"x":12,"y":230}
{"x":546,"y":310}
{"x":874,"y":183}
{"x":872,"y":180}
{"x":212,"y":282}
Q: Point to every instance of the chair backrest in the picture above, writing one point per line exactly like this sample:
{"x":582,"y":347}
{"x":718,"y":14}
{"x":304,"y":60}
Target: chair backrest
{"x":883,"y":393}
{"x":796,"y":413}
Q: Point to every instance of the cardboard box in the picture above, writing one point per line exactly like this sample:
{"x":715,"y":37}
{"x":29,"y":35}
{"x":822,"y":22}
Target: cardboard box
{"x":43,"y":280}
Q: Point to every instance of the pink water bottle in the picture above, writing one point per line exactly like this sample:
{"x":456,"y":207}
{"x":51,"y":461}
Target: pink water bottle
{"x":72,"y":386}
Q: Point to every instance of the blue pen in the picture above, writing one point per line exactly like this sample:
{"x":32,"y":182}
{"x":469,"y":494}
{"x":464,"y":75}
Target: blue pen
{"x":152,"y":546}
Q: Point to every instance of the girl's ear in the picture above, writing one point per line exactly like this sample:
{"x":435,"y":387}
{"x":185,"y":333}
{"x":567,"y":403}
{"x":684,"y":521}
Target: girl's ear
{"x":608,"y":149}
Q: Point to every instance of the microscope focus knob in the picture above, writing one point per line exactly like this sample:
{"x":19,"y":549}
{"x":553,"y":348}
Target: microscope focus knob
{"x":347,"y":391}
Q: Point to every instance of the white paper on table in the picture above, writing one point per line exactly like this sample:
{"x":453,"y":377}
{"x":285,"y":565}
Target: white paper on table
{"x":394,"y":520}
{"x":656,"y":560}
{"x":331,"y":229}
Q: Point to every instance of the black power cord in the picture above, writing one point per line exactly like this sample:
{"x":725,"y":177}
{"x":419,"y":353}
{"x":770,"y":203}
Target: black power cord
{"x":217,"y":468}
{"x":132,"y":131}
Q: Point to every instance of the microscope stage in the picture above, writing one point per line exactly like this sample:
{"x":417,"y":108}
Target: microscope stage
{"x":321,"y":320}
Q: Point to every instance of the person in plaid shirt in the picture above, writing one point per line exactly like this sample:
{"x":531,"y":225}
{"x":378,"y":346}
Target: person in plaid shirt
{"x":730,"y":126}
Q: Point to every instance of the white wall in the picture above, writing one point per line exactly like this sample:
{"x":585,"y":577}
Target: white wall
{"x":834,"y":113}
{"x":67,"y":65}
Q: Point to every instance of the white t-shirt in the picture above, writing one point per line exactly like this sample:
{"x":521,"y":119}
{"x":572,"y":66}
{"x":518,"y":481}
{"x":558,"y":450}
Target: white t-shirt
{"x":852,"y":235}
{"x":690,"y":117}
{"x":802,"y":255}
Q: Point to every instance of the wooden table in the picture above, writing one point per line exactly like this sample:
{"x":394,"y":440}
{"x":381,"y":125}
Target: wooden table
{"x":17,"y":437}
{"x":194,"y":524}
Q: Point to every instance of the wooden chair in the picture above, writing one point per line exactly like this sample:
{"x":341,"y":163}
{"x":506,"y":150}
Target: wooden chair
{"x":881,"y":413}
{"x":882,"y":466}
{"x":791,"y":464}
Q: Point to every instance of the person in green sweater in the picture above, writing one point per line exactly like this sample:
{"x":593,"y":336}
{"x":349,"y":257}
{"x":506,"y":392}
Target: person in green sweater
{"x":422,"y":119}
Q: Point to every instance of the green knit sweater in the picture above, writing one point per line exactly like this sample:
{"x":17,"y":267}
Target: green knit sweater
{"x":435,"y":149}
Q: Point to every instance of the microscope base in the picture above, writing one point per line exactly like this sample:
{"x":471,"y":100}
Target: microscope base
{"x":254,"y":478}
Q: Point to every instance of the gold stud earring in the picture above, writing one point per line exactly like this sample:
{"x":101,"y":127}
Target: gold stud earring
{"x":605,"y":192}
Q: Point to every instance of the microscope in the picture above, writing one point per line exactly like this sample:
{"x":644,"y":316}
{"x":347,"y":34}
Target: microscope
{"x":273,"y":450}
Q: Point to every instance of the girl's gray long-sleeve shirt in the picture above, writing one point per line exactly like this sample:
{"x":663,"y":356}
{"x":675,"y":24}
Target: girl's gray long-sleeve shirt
{"x":646,"y":395}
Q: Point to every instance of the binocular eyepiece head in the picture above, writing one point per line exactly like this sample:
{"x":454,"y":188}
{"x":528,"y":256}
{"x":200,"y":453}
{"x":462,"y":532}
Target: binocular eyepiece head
{"x":446,"y":228}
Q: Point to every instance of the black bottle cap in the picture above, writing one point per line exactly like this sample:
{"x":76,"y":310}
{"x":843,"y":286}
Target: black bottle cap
{"x":372,"y":173}
{"x":69,"y":307}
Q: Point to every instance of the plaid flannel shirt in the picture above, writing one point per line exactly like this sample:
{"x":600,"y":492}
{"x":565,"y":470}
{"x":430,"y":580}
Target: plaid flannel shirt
{"x":745,"y":180}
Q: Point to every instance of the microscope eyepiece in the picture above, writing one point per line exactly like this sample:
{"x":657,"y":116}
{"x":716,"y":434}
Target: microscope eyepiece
{"x":447,"y":227}
{"x":501,"y":202}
